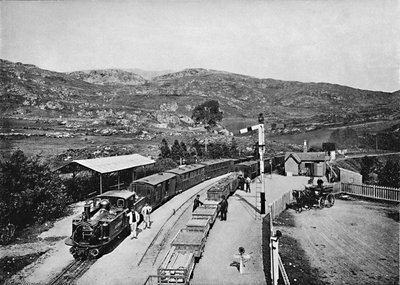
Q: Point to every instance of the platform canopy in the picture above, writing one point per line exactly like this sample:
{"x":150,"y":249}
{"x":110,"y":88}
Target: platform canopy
{"x":112,"y":164}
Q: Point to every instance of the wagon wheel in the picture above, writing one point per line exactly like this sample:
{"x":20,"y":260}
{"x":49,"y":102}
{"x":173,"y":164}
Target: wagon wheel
{"x":331,"y":200}
{"x":321,"y":202}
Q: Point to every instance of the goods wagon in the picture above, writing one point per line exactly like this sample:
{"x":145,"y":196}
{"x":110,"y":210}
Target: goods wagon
{"x":249,"y":168}
{"x":188,"y":176}
{"x":156,"y":188}
{"x":217,"y":167}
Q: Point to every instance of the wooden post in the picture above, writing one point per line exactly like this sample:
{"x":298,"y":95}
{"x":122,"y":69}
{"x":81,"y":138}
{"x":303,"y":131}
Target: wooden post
{"x":101,"y":184}
{"x":118,"y":180}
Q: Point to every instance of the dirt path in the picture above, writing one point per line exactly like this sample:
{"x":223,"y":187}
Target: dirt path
{"x":354,"y":242}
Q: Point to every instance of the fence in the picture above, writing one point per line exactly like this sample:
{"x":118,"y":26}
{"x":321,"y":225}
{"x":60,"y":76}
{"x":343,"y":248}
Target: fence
{"x":371,"y":191}
{"x":280,"y":205}
{"x":275,"y":209}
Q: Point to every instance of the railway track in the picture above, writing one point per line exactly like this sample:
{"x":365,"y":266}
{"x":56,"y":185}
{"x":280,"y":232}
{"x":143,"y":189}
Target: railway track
{"x":160,"y":239}
{"x":72,"y":272}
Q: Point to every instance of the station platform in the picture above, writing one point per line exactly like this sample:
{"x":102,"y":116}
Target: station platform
{"x":131,"y":263}
{"x":243,"y":228}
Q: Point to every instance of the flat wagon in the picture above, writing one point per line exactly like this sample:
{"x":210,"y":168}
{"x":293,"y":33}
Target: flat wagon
{"x":193,"y":241}
{"x":209,"y":213}
{"x":177,"y":267}
{"x":202,"y":225}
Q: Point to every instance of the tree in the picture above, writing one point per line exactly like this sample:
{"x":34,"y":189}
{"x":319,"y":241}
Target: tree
{"x":199,"y":149}
{"x":367,"y":164}
{"x":176,"y":151}
{"x":233,"y":148}
{"x":29,"y":191}
{"x":185,"y":153}
{"x":164,"y":164}
{"x":165,"y":151}
{"x":389,"y":175}
{"x":207,"y":113}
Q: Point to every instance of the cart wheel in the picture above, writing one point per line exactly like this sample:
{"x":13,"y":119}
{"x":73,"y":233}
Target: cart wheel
{"x":331,"y":200}
{"x":321,"y":203}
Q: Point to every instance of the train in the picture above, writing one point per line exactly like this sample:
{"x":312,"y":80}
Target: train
{"x":104,"y":217}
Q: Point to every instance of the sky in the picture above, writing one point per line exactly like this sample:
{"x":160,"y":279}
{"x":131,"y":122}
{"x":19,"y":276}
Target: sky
{"x":349,"y":42}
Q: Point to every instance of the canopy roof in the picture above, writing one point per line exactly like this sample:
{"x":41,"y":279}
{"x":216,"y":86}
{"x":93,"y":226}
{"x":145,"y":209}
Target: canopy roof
{"x":113,"y":163}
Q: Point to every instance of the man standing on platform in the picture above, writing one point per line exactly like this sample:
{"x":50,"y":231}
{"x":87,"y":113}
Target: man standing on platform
{"x":223,"y":208}
{"x":146,"y":210}
{"x":196,"y":202}
{"x":134,"y":218}
{"x":248,"y":181}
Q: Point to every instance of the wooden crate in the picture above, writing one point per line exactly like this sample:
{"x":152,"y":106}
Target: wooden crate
{"x":193,"y":241}
{"x":176,"y":267}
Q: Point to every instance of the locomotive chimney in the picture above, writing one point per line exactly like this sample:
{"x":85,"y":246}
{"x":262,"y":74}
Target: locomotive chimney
{"x":305,"y":147}
{"x":87,"y":210}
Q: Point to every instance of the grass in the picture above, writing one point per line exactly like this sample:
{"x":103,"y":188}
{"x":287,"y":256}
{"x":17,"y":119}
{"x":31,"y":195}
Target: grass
{"x":294,"y":259}
{"x":11,"y":265}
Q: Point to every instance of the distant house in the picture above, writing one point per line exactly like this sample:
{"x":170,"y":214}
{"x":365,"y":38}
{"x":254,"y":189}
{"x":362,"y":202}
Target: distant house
{"x":306,"y":163}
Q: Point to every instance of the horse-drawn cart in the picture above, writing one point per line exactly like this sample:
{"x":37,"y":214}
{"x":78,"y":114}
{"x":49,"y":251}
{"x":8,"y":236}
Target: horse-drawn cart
{"x":314,"y":196}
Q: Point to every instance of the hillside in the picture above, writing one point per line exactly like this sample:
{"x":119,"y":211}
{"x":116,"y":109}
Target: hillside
{"x":109,"y":76}
{"x":115,"y":102}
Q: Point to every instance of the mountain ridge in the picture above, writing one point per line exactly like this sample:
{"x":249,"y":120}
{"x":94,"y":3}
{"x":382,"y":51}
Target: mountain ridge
{"x":30,"y":90}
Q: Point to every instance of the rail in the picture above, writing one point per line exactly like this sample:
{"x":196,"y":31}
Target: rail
{"x":371,"y":191}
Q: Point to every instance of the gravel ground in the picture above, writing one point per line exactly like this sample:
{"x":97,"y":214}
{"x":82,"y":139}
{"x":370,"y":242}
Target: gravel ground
{"x":354,"y":242}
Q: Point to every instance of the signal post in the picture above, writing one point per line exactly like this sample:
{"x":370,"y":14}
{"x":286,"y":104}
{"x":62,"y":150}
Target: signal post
{"x":261,"y":150}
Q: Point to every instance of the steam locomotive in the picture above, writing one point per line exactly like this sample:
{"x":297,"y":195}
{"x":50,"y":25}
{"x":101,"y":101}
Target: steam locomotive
{"x":105,"y":216}
{"x":103,"y":219}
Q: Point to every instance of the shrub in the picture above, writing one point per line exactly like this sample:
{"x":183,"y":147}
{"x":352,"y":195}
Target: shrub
{"x":29,"y":191}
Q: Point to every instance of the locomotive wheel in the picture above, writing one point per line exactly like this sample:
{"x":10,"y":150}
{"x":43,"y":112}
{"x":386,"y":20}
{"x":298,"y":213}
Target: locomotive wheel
{"x":94,"y":253}
{"x":74,"y":252}
{"x":321,"y":203}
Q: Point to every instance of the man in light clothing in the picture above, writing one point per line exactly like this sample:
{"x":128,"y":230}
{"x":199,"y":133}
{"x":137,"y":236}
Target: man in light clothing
{"x":134,"y":218}
{"x":146,"y":210}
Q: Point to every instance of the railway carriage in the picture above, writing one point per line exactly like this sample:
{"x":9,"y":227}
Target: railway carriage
{"x":156,"y":188}
{"x":104,"y":218}
{"x":217,"y":167}
{"x":188,"y":176}
{"x":249,"y":168}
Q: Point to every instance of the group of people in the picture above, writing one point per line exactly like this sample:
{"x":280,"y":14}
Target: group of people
{"x":134,"y":216}
{"x":244,"y":183}
{"x":134,"y":219}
